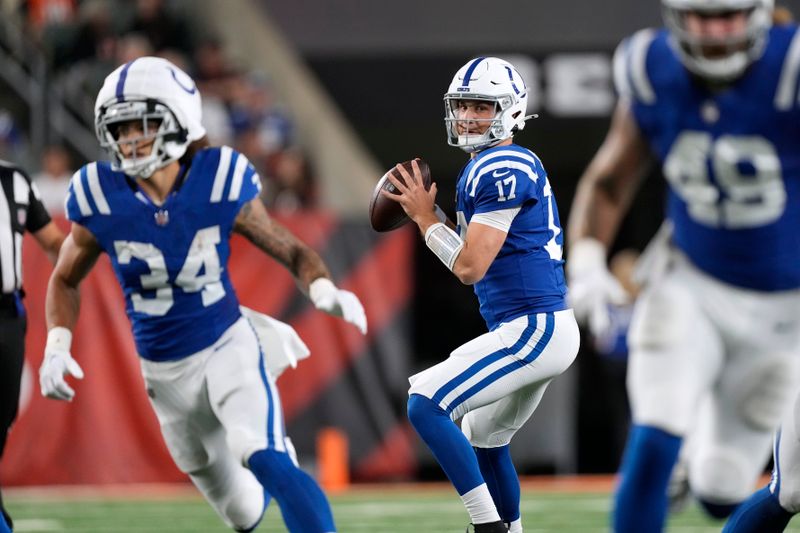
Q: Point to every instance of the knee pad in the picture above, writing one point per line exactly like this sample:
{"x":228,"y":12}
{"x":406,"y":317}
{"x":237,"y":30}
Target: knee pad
{"x":765,"y":393}
{"x":722,"y":477}
{"x":245,"y":509}
{"x":789,"y":498}
{"x":233,"y":492}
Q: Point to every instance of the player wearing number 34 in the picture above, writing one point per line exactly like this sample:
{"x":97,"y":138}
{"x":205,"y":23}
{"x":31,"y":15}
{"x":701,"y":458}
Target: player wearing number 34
{"x":715,"y":334}
{"x":164,"y":211}
{"x":507,"y":243}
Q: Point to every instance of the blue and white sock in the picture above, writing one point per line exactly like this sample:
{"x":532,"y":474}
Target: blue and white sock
{"x":501,"y":478}
{"x":304,"y":507}
{"x":640,"y":501}
{"x":760,"y":513}
{"x":454,"y":453}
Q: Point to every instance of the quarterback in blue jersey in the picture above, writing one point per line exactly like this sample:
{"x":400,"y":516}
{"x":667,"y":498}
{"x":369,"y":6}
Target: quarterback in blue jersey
{"x":507,"y":243}
{"x":714,"y":336}
{"x":164,"y":210}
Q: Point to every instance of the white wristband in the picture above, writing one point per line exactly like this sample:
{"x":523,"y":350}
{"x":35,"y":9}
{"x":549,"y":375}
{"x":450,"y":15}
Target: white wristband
{"x":59,"y":338}
{"x":445,"y":243}
{"x":320,"y":289}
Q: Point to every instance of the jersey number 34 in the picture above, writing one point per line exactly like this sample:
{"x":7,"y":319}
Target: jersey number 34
{"x":202,"y":255}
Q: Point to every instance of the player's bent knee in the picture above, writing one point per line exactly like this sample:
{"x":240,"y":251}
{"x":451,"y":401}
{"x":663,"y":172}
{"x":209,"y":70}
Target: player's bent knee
{"x":421,"y":410}
{"x":724,"y":477}
{"x":244,"y":510}
{"x":789,"y":497}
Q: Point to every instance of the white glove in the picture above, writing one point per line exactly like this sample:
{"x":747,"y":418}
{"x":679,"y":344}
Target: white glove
{"x":592,"y":288}
{"x":337,"y":302}
{"x":58,"y":363}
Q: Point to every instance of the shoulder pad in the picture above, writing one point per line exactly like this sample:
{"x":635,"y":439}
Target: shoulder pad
{"x":786,"y":93}
{"x":630,"y":67}
{"x":521,"y":161}
{"x":85,"y":197}
{"x":233,"y":171}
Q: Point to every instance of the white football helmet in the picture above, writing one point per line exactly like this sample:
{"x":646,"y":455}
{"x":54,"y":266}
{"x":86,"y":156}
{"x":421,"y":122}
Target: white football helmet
{"x":743,"y":49}
{"x":493,"y":80}
{"x":149,"y":89}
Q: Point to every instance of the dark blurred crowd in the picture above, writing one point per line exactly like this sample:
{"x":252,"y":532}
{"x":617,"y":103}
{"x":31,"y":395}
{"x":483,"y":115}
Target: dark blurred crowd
{"x":84,"y":40}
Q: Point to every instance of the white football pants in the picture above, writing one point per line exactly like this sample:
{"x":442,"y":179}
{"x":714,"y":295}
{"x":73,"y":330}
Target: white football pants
{"x":715,"y":364}
{"x":216,"y":407}
{"x":496,"y":380}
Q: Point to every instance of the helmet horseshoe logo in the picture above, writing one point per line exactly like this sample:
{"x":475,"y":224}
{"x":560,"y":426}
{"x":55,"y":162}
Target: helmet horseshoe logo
{"x":190,"y":90}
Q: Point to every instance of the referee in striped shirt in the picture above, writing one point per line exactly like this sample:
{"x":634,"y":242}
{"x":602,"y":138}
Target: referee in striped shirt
{"x":21,"y":210}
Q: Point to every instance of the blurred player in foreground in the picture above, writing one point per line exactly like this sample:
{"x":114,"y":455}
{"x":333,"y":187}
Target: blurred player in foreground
{"x":21,"y":210}
{"x":164,"y":211}
{"x":508,"y":244}
{"x":714,"y":337}
{"x":770,"y":509}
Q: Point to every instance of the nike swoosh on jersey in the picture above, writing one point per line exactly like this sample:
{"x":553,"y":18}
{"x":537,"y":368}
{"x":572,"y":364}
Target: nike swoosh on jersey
{"x":498,"y":174}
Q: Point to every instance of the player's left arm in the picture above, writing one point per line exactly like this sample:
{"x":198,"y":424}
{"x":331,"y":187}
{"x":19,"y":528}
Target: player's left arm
{"x":255,"y":224}
{"x":313,"y":277}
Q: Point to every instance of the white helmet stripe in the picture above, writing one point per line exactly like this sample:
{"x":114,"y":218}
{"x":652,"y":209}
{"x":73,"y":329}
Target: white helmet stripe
{"x":470,"y":70}
{"x":123,"y":75}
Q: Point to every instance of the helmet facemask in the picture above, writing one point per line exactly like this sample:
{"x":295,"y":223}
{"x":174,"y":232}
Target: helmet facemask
{"x":159,"y":126}
{"x":497,"y":130}
{"x":714,"y":58}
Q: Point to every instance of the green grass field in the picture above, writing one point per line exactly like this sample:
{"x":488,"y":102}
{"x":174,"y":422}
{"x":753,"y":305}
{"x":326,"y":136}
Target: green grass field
{"x":402,"y":509}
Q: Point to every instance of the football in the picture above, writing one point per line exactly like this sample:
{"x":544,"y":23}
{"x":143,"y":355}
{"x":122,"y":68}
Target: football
{"x":384,"y":213}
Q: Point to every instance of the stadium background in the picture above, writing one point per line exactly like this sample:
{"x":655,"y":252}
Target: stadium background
{"x":359,"y":85}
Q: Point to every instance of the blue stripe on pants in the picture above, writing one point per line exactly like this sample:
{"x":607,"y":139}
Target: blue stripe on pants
{"x":476,"y":367}
{"x":511,"y":367}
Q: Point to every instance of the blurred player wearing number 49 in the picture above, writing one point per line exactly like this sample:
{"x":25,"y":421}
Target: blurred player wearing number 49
{"x":164,"y":212}
{"x":715,"y":335}
{"x":507,"y":243}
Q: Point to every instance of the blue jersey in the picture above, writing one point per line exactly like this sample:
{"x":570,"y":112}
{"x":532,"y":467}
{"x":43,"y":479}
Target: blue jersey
{"x":731,"y":156}
{"x":527,"y":276}
{"x":171,"y":260}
